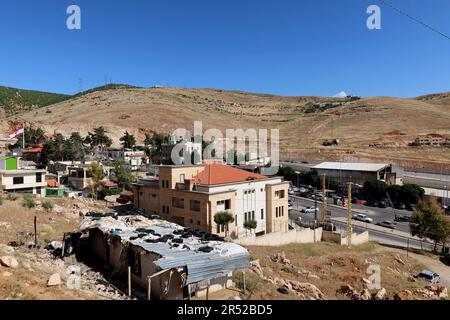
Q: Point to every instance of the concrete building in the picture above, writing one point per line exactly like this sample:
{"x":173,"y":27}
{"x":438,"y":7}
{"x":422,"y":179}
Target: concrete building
{"x":16,"y":180}
{"x":188,"y":149}
{"x":431,"y":140}
{"x":165,"y":259}
{"x":132,"y":158}
{"x":192,"y":195}
{"x":357,"y":172}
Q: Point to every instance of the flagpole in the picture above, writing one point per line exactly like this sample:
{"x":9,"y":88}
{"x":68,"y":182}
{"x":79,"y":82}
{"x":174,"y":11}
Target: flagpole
{"x":23,"y":137}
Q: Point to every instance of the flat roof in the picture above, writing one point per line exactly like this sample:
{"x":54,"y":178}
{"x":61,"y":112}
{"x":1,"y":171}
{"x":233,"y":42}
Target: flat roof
{"x":221,"y":257}
{"x":351,"y":166}
{"x":30,"y":171}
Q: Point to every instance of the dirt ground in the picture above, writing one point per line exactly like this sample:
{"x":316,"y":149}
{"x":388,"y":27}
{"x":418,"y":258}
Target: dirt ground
{"x":35,"y":265}
{"x":317,"y":271}
{"x":330,"y":267}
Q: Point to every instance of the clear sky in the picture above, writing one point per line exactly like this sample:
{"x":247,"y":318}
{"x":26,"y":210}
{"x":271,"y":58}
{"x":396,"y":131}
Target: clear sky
{"x":288,"y":47}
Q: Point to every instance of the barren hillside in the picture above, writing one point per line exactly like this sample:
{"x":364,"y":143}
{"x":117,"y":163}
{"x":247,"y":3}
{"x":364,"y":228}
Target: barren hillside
{"x":304,"y":122}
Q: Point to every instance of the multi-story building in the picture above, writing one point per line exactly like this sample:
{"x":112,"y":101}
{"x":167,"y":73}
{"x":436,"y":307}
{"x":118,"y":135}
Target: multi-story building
{"x":192,"y":195}
{"x":16,"y":180}
{"x":133,"y":158}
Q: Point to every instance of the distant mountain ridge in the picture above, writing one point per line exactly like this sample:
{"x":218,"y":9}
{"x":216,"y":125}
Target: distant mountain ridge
{"x":14,"y":100}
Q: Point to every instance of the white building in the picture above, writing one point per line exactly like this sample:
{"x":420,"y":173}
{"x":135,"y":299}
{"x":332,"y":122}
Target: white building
{"x":15,"y":180}
{"x":133,"y":158}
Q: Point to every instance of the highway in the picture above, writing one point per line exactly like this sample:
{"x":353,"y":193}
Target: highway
{"x":398,"y":237}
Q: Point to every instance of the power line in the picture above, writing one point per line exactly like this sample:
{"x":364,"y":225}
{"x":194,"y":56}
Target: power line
{"x":415,"y":19}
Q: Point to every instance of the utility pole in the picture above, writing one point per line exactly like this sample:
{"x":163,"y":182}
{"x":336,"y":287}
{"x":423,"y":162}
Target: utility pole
{"x":315,"y":204}
{"x":325,"y":216}
{"x":349,"y":216}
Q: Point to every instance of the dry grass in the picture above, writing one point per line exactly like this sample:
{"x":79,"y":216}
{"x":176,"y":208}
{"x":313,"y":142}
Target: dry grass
{"x":334,"y":265}
{"x":357,"y":124}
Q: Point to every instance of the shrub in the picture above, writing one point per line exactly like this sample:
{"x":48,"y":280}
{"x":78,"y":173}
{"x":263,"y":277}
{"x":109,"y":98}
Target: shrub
{"x":11,"y":197}
{"x":1,"y":199}
{"x":47,"y":205}
{"x":28,"y":202}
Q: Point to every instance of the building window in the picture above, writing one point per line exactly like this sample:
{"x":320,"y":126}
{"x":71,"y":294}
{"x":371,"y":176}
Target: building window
{"x":164,"y":209}
{"x":195,"y":205}
{"x":198,"y":223}
{"x":262,"y":189}
{"x":262,"y":214}
{"x":192,"y":221}
{"x":178,"y":203}
{"x":253,"y":215}
{"x":39,"y":177}
{"x":279,"y":194}
{"x":276,"y":212}
{"x":18,"y":180}
{"x":226,"y":204}
{"x":235,"y":220}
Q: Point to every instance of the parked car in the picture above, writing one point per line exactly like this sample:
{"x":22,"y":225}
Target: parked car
{"x":387,"y":224}
{"x":371,"y":203}
{"x":291,"y":191}
{"x":363,"y":218}
{"x":382,"y":204}
{"x":310,"y":210}
{"x":290,"y":204}
{"x":400,"y":206}
{"x":410,"y":207}
{"x":429,"y":276}
{"x":403,"y":218}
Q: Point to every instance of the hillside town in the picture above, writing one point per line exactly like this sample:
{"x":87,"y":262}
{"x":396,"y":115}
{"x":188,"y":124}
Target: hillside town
{"x":188,"y":231}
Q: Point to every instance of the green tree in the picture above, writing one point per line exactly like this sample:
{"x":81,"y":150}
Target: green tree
{"x":128,"y":140}
{"x":123,"y":175}
{"x":428,"y":221}
{"x":98,"y":138}
{"x":375,"y":189}
{"x":96,"y":174}
{"x":250,"y":225}
{"x":223,"y":218}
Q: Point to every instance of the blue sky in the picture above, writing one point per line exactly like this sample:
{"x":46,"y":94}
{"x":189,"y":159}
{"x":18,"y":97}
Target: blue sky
{"x":288,"y":47}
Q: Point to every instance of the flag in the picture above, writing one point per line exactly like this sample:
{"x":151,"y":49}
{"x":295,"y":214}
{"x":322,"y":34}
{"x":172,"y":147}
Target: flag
{"x":17,"y":133}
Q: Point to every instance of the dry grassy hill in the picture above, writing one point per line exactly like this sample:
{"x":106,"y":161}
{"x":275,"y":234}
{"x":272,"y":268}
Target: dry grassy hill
{"x":304,"y":122}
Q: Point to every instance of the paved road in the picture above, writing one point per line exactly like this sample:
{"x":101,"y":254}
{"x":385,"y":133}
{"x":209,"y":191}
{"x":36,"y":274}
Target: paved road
{"x":398,"y":237}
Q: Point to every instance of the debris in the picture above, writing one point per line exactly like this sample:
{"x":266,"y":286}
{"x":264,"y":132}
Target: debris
{"x":380,"y":294}
{"x":346,"y":290}
{"x":440,"y":291}
{"x":6,"y":249}
{"x":397,"y":258}
{"x":403,"y":295}
{"x":366,"y":295}
{"x":9,"y":262}
{"x":54,"y":280}
{"x":256,"y":268}
{"x":283,"y":290}
{"x":4,"y":224}
{"x":307,"y":289}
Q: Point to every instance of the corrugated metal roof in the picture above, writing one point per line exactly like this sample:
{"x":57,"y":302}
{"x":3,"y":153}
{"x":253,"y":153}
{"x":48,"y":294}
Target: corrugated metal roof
{"x":224,"y":257}
{"x":351,"y":166}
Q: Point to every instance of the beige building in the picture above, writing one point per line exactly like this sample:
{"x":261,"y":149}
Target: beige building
{"x":192,"y":195}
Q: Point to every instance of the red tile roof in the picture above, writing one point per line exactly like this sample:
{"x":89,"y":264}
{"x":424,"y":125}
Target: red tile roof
{"x":52,"y":183}
{"x":215,"y":173}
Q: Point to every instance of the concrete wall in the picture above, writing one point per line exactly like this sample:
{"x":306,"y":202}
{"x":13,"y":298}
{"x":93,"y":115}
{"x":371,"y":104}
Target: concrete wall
{"x":337,"y":237}
{"x":357,"y":239}
{"x":282,"y":238}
